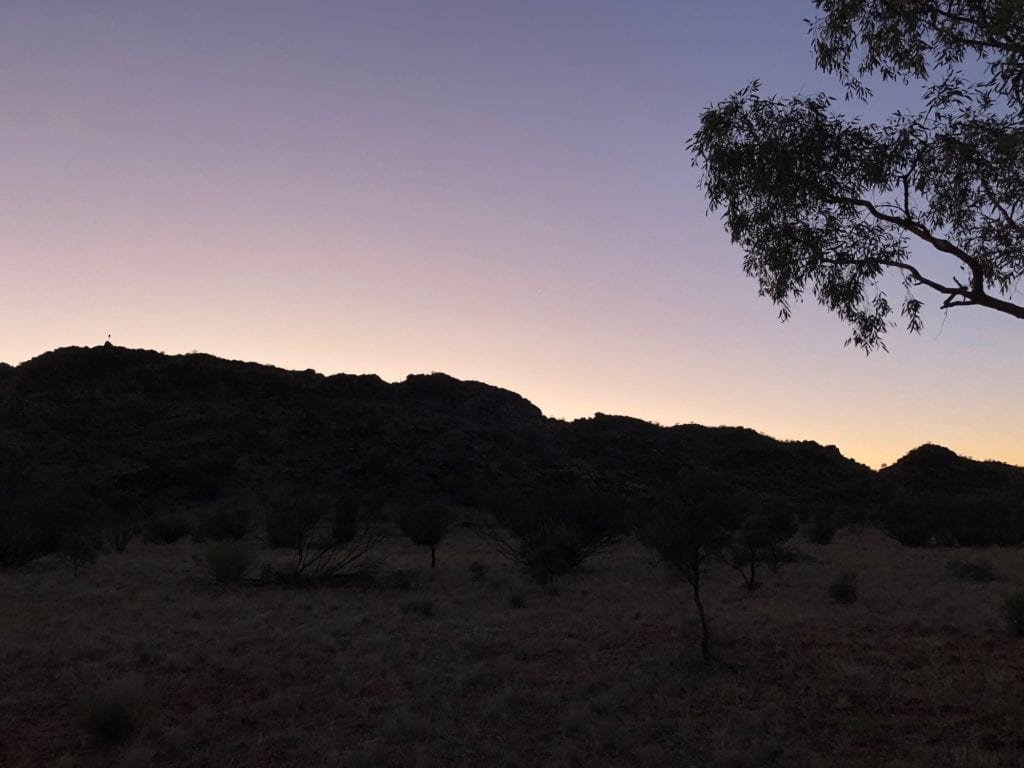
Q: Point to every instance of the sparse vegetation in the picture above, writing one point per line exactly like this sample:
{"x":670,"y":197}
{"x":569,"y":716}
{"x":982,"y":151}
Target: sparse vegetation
{"x":603,"y":653}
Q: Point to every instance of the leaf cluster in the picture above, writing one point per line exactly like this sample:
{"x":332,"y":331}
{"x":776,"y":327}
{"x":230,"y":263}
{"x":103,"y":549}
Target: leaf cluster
{"x":825,"y":204}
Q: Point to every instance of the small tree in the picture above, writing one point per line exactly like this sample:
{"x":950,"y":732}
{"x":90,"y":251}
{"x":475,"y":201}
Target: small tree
{"x":425,"y":525}
{"x":81,"y":548}
{"x":552,"y":532}
{"x":120,"y":520}
{"x":765,"y":526}
{"x":688,"y":526}
{"x":748,"y":546}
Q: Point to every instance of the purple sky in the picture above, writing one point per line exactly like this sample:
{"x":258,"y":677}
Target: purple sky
{"x":496,"y":190}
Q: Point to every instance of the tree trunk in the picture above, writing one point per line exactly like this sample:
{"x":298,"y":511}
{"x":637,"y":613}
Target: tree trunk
{"x":433,"y":558}
{"x":705,"y":635}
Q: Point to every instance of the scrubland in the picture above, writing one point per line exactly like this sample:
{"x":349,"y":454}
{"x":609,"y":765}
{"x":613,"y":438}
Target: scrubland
{"x":470,"y":664}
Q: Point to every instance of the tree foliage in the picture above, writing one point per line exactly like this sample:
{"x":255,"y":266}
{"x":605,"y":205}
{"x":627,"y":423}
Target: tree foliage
{"x":425,"y":524}
{"x":826,"y":204}
{"x":765,"y":526}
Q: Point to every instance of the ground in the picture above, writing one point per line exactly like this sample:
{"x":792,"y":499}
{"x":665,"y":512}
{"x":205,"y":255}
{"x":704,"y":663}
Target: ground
{"x":491,"y":671}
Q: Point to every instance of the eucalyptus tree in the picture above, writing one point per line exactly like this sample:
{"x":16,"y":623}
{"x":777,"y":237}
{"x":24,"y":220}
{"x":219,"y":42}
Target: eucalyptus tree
{"x":826,"y":204}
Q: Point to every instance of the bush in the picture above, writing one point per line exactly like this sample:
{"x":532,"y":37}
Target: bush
{"x":228,"y":560}
{"x":222,"y":524}
{"x":166,"y":528}
{"x":115,"y":711}
{"x":553,"y":532}
{"x":326,"y":539}
{"x":1013,"y":609}
{"x":844,"y":589}
{"x":821,"y":530}
{"x":971,"y":570}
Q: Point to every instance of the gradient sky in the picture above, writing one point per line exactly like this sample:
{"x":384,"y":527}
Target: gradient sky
{"x":497,"y":190}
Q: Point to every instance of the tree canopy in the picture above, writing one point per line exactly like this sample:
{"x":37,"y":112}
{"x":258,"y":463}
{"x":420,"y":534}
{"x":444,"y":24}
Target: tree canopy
{"x":829,"y":204}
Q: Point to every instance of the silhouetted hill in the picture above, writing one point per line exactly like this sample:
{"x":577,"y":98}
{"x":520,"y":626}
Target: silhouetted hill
{"x":935,"y":469}
{"x":933,"y":494}
{"x":184,"y":429}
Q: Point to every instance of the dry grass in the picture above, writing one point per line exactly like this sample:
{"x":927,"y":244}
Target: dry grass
{"x":920,"y":671}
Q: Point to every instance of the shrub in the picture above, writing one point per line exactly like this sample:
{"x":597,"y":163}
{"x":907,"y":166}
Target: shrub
{"x":1013,"y":609}
{"x":971,"y":570}
{"x":166,"y":528}
{"x":115,"y":711}
{"x":844,"y":589}
{"x":552,"y":532}
{"x":228,"y":560}
{"x":222,"y":524}
{"x":323,"y":547}
{"x":821,"y":530}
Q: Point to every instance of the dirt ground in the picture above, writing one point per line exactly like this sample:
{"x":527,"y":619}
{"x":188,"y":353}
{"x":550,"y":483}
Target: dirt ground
{"x":490,"y":671}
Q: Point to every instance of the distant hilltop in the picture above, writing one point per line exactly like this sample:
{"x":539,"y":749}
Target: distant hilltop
{"x":188,"y":429}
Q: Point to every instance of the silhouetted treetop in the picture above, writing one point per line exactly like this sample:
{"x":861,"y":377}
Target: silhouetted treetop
{"x":826,"y":204}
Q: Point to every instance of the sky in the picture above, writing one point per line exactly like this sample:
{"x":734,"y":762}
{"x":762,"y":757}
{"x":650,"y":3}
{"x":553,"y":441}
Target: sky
{"x":497,"y":190}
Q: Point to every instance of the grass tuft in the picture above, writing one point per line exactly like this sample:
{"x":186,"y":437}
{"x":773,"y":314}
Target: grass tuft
{"x":114,"y":712}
